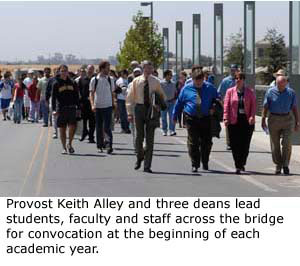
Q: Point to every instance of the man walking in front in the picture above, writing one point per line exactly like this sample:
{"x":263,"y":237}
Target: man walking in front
{"x":169,"y":89}
{"x":196,"y":100}
{"x":280,"y":101}
{"x":101,"y":97}
{"x":139,"y":98}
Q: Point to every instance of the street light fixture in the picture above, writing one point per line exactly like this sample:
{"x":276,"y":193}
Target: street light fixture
{"x":151,"y":6}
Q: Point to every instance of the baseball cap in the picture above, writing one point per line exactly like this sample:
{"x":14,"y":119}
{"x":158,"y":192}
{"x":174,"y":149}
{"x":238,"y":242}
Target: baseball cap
{"x":137,"y":69}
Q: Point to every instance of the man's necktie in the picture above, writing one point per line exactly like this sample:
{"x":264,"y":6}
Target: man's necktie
{"x":146,"y":94}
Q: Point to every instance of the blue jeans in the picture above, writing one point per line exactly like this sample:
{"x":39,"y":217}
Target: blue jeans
{"x":164,"y":114}
{"x":103,"y":119}
{"x":45,"y":111}
{"x":18,"y":109}
{"x":123,"y":115}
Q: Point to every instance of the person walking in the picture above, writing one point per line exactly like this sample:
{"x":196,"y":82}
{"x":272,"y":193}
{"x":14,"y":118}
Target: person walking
{"x":88,"y":117}
{"x":28,"y":79}
{"x":239,"y":117}
{"x":42,"y":89}
{"x":280,"y":101}
{"x":226,"y":83}
{"x":18,"y":100}
{"x":280,"y":72}
{"x":49,"y":90}
{"x":196,"y":100}
{"x":169,"y":89}
{"x":133,"y":65}
{"x":179,"y":86}
{"x":146,"y":116}
{"x":34,"y":97}
{"x":102,"y":103}
{"x":66,"y":106}
{"x":122,"y":85}
{"x":6,"y":92}
{"x":136,"y":73}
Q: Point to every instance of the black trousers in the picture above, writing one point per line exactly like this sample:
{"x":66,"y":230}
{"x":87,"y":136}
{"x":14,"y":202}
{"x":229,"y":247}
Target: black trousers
{"x":88,"y":120}
{"x":199,"y":139}
{"x":103,"y":126}
{"x":240,"y":136}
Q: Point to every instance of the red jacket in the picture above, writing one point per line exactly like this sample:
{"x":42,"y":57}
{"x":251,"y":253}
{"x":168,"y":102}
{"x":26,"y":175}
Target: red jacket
{"x":33,"y":94}
{"x":231,"y":103}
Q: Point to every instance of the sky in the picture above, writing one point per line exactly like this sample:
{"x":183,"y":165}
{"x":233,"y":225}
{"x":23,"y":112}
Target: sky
{"x":95,"y":29}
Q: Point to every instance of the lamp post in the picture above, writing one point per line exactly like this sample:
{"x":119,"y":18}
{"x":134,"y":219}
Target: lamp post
{"x":151,"y":6}
{"x":151,"y":16}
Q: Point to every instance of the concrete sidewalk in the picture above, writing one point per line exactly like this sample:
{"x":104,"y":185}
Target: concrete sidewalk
{"x":261,"y":139}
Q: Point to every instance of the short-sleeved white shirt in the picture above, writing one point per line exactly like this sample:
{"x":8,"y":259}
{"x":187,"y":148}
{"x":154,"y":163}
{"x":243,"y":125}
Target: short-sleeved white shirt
{"x":122,"y":83}
{"x":103,"y":95}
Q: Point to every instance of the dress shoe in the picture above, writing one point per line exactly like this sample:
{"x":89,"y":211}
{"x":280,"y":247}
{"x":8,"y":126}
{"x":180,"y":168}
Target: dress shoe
{"x":92,"y":141}
{"x":205,"y":166}
{"x":286,"y":170}
{"x":278,"y":170}
{"x":109,"y":150}
{"x":238,"y":171}
{"x":138,"y":164}
{"x":194,"y":169}
{"x":148,"y":170}
{"x":228,"y":148}
{"x":83,"y":137}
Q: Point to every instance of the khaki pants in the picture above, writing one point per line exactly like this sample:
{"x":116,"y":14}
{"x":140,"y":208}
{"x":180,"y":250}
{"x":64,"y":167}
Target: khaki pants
{"x":281,"y":126}
{"x":145,"y":128}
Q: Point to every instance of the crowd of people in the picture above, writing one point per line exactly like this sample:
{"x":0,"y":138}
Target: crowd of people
{"x":138,"y":100}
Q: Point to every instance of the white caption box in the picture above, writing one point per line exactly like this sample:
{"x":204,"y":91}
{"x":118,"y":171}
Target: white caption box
{"x":210,"y":242}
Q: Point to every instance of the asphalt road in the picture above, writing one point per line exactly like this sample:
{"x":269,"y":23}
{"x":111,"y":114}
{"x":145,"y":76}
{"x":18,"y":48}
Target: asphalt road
{"x":31,"y":165}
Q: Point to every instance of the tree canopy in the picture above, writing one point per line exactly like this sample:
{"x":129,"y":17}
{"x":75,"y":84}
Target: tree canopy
{"x":234,"y":52}
{"x":142,"y":42}
{"x":275,"y":55}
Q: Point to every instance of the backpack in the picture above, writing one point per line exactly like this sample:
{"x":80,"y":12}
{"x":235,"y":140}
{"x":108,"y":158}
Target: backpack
{"x":110,"y":84}
{"x":96,"y":83}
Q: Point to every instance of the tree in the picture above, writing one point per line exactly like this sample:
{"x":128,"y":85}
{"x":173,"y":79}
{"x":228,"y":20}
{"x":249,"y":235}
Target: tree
{"x":234,"y":52}
{"x":275,"y":56}
{"x":142,"y":42}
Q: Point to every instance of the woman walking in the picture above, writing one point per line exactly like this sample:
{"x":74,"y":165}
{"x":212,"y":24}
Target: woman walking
{"x":26,"y":101}
{"x":34,"y":97}
{"x":239,"y":116}
{"x":6,"y":91}
{"x":18,"y":100}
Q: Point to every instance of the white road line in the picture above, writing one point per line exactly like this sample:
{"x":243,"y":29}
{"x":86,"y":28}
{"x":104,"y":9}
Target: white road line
{"x":246,"y":178}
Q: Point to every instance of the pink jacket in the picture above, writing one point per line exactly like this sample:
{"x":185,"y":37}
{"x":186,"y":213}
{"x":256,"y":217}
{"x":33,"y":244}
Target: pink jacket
{"x":231,"y":105}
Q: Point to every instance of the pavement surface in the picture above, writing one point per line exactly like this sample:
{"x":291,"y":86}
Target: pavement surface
{"x":31,"y":165}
